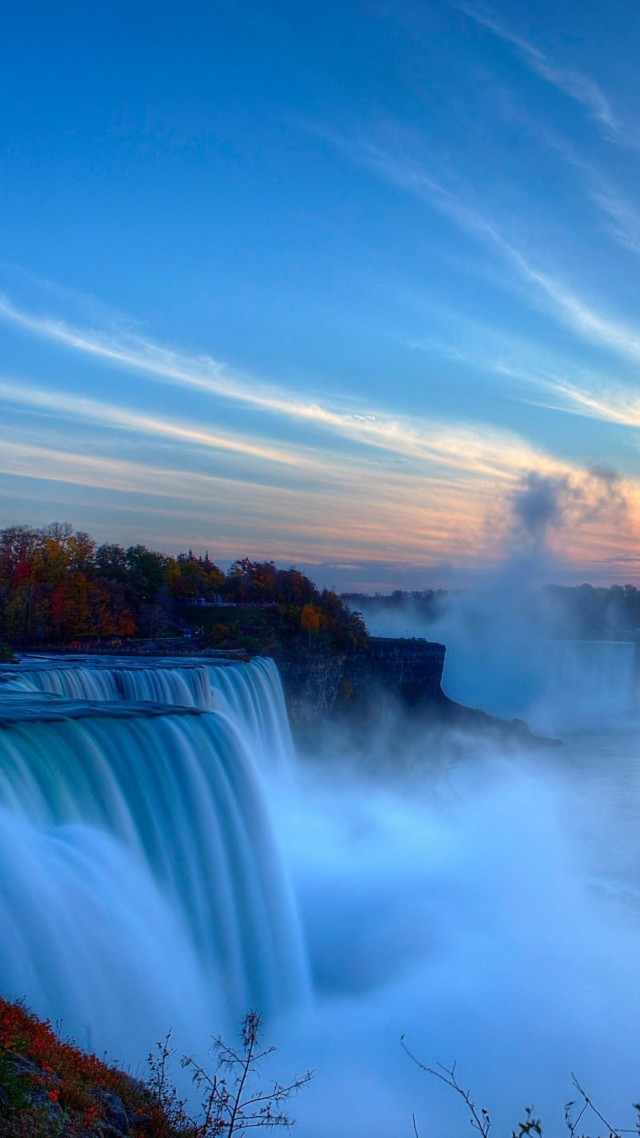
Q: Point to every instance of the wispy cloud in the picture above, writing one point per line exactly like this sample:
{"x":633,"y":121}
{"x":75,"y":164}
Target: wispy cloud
{"x":621,"y":213}
{"x":413,"y":486}
{"x":137,"y":353}
{"x":98,"y":413}
{"x":435,"y":497}
{"x":165,"y":365}
{"x":439,"y":448}
{"x":553,"y":382}
{"x":581,"y":88}
{"x":332,"y":519}
{"x":550,"y":381}
{"x":579,"y":316}
{"x":198,"y":372}
{"x":413,"y":514}
{"x":408,"y":439}
{"x":566,"y":306}
{"x":610,"y":403}
{"x":52,"y":463}
{"x":442,"y":450}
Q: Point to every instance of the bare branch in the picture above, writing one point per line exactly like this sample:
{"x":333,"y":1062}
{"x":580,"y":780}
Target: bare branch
{"x":229,"y":1105}
{"x":480,"y":1120}
{"x":614,"y":1131}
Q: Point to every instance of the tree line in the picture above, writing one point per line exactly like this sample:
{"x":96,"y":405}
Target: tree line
{"x":57,"y":586}
{"x":580,"y":612}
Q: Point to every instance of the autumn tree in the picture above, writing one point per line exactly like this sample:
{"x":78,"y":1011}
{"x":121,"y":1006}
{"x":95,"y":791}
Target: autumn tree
{"x":251,"y":582}
{"x":70,"y":617}
{"x":56,"y":585}
{"x":111,"y":563}
{"x":310,"y":619}
{"x":194,"y":578}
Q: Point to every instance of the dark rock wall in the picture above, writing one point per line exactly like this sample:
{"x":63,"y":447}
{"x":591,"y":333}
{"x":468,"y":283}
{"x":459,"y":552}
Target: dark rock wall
{"x":407,"y":671}
{"x":312,"y":683}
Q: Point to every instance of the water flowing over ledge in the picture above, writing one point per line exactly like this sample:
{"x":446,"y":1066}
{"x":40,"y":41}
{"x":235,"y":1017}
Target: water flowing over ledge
{"x":144,"y":882}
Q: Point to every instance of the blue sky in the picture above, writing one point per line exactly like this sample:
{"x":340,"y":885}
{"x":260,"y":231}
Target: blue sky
{"x":328,"y":284}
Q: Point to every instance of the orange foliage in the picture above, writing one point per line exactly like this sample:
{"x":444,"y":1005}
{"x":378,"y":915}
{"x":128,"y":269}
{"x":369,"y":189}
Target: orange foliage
{"x":310,"y":619}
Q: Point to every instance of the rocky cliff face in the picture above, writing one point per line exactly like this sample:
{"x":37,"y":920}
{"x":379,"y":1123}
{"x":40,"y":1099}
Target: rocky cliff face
{"x":312,"y":683}
{"x":390,"y":675}
{"x":407,"y":671}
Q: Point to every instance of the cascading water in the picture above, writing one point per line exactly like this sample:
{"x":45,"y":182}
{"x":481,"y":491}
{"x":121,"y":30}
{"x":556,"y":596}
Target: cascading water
{"x":592,"y":677}
{"x":253,"y":696}
{"x":141,"y":861}
{"x":188,"y":685}
{"x":70,"y":682}
{"x":551,"y":683}
{"x":250,"y":696}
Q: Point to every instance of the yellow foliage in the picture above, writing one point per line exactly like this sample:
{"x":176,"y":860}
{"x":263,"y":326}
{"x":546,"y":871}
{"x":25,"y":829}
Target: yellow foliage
{"x":310,"y":619}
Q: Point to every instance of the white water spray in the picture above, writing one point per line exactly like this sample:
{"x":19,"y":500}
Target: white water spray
{"x":475,"y":908}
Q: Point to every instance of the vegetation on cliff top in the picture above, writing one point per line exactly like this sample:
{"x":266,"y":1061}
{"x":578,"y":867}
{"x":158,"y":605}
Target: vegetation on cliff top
{"x":58,"y":587}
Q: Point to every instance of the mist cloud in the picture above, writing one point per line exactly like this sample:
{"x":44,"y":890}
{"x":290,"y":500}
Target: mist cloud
{"x":544,"y":504}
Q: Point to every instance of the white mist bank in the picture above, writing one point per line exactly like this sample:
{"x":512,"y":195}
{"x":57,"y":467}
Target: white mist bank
{"x":500,"y":658}
{"x":465,"y":915}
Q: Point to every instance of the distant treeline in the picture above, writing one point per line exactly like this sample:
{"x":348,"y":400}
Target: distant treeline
{"x":58,"y":586}
{"x":580,"y":612}
{"x":427,"y":604}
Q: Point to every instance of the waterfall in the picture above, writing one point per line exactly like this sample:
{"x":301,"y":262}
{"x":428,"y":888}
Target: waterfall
{"x":254,"y":697}
{"x":591,"y":677}
{"x":550,"y":683}
{"x":139,"y":854}
{"x":186,"y":686}
{"x":250,"y":695}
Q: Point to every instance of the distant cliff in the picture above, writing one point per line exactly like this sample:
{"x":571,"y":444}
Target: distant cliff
{"x":407,"y":670}
{"x":317,"y":682}
{"x":357,"y":689}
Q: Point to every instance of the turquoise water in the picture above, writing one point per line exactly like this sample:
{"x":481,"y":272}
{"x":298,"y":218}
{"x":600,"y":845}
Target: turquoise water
{"x":139,"y":856}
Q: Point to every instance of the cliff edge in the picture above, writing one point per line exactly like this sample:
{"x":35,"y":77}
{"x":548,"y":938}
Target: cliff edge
{"x":389,"y":677}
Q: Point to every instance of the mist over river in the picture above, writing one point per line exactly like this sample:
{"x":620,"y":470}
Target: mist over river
{"x":486,"y":909}
{"x":490,"y":912}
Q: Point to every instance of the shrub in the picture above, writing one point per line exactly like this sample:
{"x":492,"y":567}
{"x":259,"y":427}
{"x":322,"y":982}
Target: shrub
{"x":230,"y":1101}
